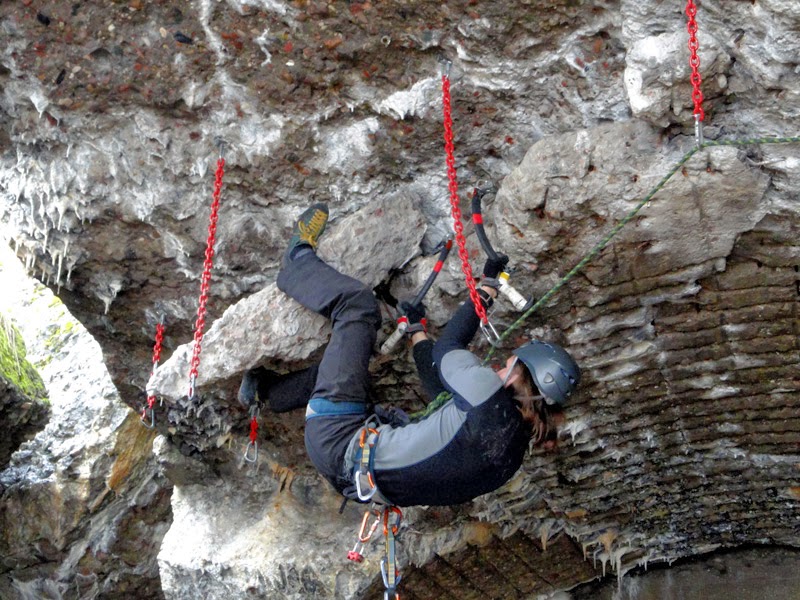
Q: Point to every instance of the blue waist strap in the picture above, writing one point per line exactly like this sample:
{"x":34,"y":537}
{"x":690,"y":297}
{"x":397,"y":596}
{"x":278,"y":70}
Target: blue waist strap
{"x":322,"y":407}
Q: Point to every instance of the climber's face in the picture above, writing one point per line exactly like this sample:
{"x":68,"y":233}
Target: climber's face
{"x":511,"y":372}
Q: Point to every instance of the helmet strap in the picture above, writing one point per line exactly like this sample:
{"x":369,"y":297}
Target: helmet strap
{"x":510,"y":370}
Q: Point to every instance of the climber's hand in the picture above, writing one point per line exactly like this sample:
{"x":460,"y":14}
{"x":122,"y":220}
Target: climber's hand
{"x":415,"y":313}
{"x":495,"y":266}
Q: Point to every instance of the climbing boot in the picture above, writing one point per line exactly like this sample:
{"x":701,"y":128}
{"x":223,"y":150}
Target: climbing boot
{"x":307,"y":229}
{"x":253,"y":387}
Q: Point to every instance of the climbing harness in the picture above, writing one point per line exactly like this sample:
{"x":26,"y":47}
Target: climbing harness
{"x":486,"y":327}
{"x":251,"y":450}
{"x":402,"y":320}
{"x":504,"y":287}
{"x":694,"y":64}
{"x":205,"y":279}
{"x":151,"y":399}
{"x":391,"y":516}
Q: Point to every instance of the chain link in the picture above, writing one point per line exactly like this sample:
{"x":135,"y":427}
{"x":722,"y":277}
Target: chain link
{"x":205,"y":279}
{"x":694,"y":60}
{"x":458,"y":227}
{"x":151,"y":399}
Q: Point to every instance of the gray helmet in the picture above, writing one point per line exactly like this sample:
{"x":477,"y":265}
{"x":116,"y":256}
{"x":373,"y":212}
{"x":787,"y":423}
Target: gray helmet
{"x":554,"y":371}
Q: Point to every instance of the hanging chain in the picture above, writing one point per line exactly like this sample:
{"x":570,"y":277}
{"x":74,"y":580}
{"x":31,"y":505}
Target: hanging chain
{"x":151,"y":399}
{"x":458,"y":227}
{"x":205,"y":280}
{"x":694,"y":63}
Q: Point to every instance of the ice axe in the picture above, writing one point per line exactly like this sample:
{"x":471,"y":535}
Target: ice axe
{"x":517,"y":299}
{"x":402,"y":320}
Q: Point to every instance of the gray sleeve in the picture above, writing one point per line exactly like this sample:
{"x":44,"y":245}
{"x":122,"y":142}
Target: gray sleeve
{"x":462,"y":373}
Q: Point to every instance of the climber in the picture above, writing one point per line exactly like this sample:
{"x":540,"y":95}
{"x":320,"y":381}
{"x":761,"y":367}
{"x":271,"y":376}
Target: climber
{"x":469,"y":445}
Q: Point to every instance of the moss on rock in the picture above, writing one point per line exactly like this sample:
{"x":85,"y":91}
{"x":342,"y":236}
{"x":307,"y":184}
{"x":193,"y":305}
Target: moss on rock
{"x":14,"y":366}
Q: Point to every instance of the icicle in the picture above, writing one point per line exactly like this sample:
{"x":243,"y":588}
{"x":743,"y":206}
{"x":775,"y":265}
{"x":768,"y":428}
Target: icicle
{"x":584,"y":546}
{"x":69,"y":273}
{"x":58,"y":272}
{"x":544,"y":533}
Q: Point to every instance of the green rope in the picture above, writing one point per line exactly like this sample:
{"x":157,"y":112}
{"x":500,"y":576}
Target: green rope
{"x":625,"y":220}
{"x":435,"y":405}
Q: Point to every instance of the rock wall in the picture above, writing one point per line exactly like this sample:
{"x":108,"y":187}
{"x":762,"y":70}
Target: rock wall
{"x":684,"y":436}
{"x":82,"y":508}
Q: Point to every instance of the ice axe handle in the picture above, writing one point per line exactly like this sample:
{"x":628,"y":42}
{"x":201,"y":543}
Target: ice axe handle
{"x":391,"y":341}
{"x":402,"y":322}
{"x":448,"y":244}
{"x":517,"y":300}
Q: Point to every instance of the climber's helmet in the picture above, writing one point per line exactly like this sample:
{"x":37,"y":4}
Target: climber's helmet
{"x":553,"y":370}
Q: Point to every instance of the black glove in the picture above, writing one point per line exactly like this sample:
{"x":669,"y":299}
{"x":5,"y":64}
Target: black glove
{"x":415,"y":313}
{"x":495,"y":266}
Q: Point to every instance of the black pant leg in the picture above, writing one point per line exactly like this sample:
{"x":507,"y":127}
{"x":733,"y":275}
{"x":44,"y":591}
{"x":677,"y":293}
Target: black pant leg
{"x":344,"y":371}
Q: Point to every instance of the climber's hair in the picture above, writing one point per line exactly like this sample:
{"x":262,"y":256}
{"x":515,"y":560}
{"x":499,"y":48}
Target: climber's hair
{"x":534,"y":409}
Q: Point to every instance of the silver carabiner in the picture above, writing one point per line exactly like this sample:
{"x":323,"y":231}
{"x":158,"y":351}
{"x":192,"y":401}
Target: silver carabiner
{"x":446,"y":64}
{"x":143,"y":418}
{"x":247,"y":454}
{"x":192,"y":380}
{"x":698,"y":131}
{"x":490,"y":333}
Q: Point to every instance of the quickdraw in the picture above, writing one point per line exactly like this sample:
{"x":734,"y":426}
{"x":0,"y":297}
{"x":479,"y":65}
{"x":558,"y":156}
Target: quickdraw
{"x":389,"y":571}
{"x":391,"y":517}
{"x":364,"y":535}
{"x":251,"y":450}
{"x":504,"y":287}
{"x":151,"y":399}
{"x":402,"y":320}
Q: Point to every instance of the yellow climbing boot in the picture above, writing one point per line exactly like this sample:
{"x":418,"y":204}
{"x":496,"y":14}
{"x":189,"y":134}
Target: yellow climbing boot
{"x":308,"y":228}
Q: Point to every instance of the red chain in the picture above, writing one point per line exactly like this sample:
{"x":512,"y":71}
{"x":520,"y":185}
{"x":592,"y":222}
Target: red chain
{"x":454,"y":202}
{"x":205,"y":280}
{"x":151,"y":400}
{"x":694,"y":60}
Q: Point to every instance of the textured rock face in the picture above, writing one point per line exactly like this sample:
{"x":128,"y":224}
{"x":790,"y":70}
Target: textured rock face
{"x":684,"y":436}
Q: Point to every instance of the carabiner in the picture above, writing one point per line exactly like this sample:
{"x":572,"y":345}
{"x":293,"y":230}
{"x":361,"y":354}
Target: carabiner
{"x":698,"y":131}
{"x":192,"y":380}
{"x":253,"y":443}
{"x":248,"y":455}
{"x":446,"y":64}
{"x":490,"y":333}
{"x":387,"y":513}
{"x":143,"y":418}
{"x":220,"y":143}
